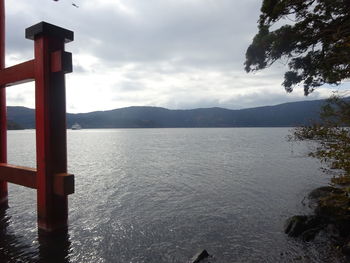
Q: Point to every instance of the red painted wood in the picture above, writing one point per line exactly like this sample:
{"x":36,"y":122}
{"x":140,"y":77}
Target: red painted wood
{"x":18,"y":175}
{"x":17,"y":74}
{"x":3,"y":122}
{"x":51,"y":179}
{"x":61,"y":61}
{"x":50,"y":135}
{"x":63,"y":184}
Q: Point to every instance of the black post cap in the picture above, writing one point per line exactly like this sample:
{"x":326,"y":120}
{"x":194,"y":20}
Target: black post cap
{"x":47,"y":29}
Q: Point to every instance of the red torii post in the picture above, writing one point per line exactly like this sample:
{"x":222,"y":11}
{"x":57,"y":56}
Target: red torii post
{"x":47,"y":69}
{"x":3,"y":122}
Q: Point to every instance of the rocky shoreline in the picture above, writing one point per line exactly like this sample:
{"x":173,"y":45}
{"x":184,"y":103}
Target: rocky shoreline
{"x":331,"y":206}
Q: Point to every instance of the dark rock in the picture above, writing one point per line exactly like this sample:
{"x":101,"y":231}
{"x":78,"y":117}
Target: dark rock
{"x":308,"y":225}
{"x":294,"y":225}
{"x":333,"y":231}
{"x":343,"y":226}
{"x":324,"y":191}
{"x":200,"y":256}
{"x":332,"y":216}
{"x":346,"y":249}
{"x":343,"y":180}
{"x":310,"y":234}
{"x":334,"y":207}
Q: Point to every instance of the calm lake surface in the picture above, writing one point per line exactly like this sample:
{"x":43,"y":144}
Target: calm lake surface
{"x":162,"y":195}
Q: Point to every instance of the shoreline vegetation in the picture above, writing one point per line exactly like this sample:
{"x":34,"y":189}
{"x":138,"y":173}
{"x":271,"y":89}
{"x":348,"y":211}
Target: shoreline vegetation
{"x":318,"y":54}
{"x":330,"y":204}
{"x":331,"y":215}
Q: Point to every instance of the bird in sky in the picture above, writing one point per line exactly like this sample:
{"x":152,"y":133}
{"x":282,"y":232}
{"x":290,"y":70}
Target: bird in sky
{"x":73,"y":4}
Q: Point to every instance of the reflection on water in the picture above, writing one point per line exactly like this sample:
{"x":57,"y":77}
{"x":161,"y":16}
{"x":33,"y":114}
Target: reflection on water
{"x":54,"y":248}
{"x":48,"y":248}
{"x":11,"y":245}
{"x":161,"y":195}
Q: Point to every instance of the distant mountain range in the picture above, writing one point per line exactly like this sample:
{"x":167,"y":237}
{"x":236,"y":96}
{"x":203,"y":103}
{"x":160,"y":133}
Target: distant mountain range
{"x":282,"y":115}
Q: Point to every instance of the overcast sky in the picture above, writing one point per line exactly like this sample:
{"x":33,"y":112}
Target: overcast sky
{"x":178,"y":54}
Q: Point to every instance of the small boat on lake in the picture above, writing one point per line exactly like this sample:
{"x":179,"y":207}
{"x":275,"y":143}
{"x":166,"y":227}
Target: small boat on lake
{"x":76,"y":126}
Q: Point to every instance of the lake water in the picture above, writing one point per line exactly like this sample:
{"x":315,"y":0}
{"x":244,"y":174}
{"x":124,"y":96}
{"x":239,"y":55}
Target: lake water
{"x":162,"y":195}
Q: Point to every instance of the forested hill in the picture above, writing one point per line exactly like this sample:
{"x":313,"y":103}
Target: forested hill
{"x":287,"y":114}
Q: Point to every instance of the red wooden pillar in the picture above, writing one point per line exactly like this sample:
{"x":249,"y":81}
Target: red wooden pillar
{"x":51,"y":64}
{"x":3,"y":122}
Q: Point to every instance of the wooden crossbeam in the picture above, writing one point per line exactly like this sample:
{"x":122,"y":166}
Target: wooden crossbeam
{"x":17,"y":74}
{"x":63,"y":182}
{"x":18,"y":175}
{"x":61,"y":61}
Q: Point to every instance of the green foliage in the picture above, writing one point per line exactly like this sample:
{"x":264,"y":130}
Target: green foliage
{"x":333,"y":135}
{"x":314,"y":39}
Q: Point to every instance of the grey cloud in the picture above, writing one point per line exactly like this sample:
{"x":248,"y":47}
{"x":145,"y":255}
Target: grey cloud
{"x":16,"y":99}
{"x":202,"y":33}
{"x":130,"y":86}
{"x":79,"y":69}
{"x":187,"y":33}
{"x":157,"y":42}
{"x":22,"y":14}
{"x":255,"y":99}
{"x":265,"y":99}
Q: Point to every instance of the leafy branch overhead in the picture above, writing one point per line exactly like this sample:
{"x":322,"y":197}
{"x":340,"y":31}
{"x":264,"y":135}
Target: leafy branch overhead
{"x":332,"y":135}
{"x":314,"y":38}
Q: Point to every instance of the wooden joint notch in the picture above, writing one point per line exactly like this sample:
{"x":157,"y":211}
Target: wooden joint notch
{"x":61,"y":61}
{"x":63,"y":184}
{"x":17,"y":74}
